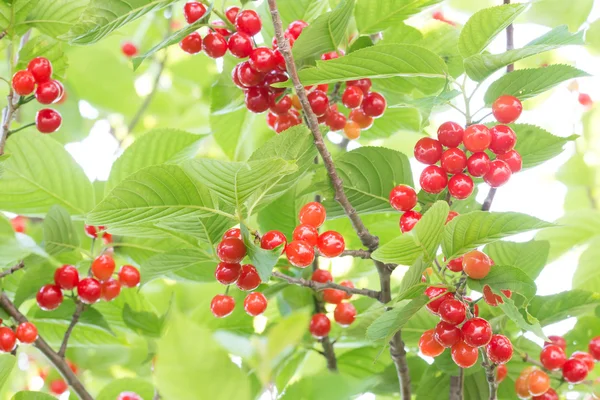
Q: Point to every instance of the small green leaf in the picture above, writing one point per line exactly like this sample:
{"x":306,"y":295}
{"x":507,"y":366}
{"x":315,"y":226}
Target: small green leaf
{"x":536,"y":145}
{"x":502,"y":277}
{"x":393,"y":320}
{"x":59,"y":233}
{"x":376,"y":16}
{"x":43,"y":46}
{"x":523,"y":320}
{"x":53,"y":17}
{"x":402,"y":250}
{"x":7,"y":363}
{"x":530,"y":257}
{"x":143,"y":322}
{"x":556,"y":307}
{"x":263,"y":260}
{"x":179,"y":261}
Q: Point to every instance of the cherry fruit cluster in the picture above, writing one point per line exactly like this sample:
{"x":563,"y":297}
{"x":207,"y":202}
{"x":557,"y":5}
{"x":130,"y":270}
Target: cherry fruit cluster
{"x":478,"y":143}
{"x":344,"y":313}
{"x":38,"y":78}
{"x":25,"y":333}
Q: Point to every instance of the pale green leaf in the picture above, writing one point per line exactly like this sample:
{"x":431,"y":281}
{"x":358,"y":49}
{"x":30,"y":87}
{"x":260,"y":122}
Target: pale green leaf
{"x":530,"y":257}
{"x":557,"y":12}
{"x":504,"y":277}
{"x":592,"y":37}
{"x":263,"y":260}
{"x":64,"y":313}
{"x":556,"y":307}
{"x":403,"y":251}
{"x":54,"y":17}
{"x":587,"y":274}
{"x":144,"y":323}
{"x":173,"y":262}
{"x":82,"y":337}
{"x":12,"y":13}
{"x":43,"y":46}
{"x":396,"y":119}
{"x":141,"y":387}
{"x":29,"y":395}
{"x":59,"y":233}
{"x":7,"y":363}
{"x":327,"y":386}
{"x":376,"y":16}
{"x":393,"y":320}
{"x":536,"y":145}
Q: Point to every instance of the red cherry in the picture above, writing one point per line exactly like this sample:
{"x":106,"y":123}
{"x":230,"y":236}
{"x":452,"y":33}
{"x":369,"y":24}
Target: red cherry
{"x":319,"y":326}
{"x":49,"y":297}
{"x":295,"y":28}
{"x":352,"y":130}
{"x":333,"y":296}
{"x":129,"y":276}
{"x":273,"y":239}
{"x":451,"y":216}
{"x":463,"y":355}
{"x":249,"y":278}
{"x":403,"y":198}
{"x":501,"y":372}
{"x":129,"y":396}
{"x":594,"y":348}
{"x":447,"y":334}
{"x":331,"y":244}
{"x":233,"y":233}
{"x":585,"y":357}
{"x":300,"y":254}
{"x":215,"y":45}
{"x":231,"y":250}
{"x":455,"y":265}
{"x":272,"y":119}
{"x":193,"y":11}
{"x":352,"y":97}
{"x":477,"y":332}
{"x":129,"y":49}
{"x":329,"y":56}
{"x":107,"y":238}
{"x":344,"y":314}
{"x":110,"y":289}
{"x":40,"y":68}
{"x":321,"y":276}
{"x":557,"y":340}
{"x":281,"y":106}
{"x":494,"y":299}
{"x":19,"y":223}
{"x":553,"y":357}
{"x":23,"y":83}
{"x":373,"y":104}
{"x":58,"y":386}
{"x":452,"y":311}
{"x":222,"y":305}
{"x":478,"y":164}
{"x":262,"y":59}
{"x":408,"y":220}
{"x":319,"y":102}
{"x":228,"y":273}
{"x":26,"y":332}
{"x":574,"y":370}
{"x":433,"y":292}
{"x":460,"y":186}
{"x":585,"y":100}
{"x":433,"y":179}
{"x":549,"y":395}
{"x":347,"y":284}
{"x":8,"y":339}
{"x":499,"y":349}
{"x":454,"y":160}
{"x":247,"y":76}
{"x":275,"y":77}
{"x":450,"y":134}
{"x":363,"y":120}
{"x":336,"y":121}
{"x":280,"y":60}
{"x":66,"y":277}
{"x":307,"y":233}
{"x":364,"y":84}
{"x":240,"y":45}
{"x":498,"y":174}
{"x":312,"y":213}
{"x":503,"y":139}
{"x":47,"y":120}
{"x":103,"y":267}
{"x":255,"y":304}
{"x":428,"y":345}
{"x":477,"y":138}
{"x":286,"y":121}
{"x":47,"y":92}
{"x":258,"y":99}
{"x":235,"y":77}
{"x":476,"y":264}
{"x":538,"y":382}
{"x":513,"y":159}
{"x":89,"y":290}
{"x":507,"y":109}
{"x":192,"y":43}
{"x":231,"y":13}
{"x":248,"y":22}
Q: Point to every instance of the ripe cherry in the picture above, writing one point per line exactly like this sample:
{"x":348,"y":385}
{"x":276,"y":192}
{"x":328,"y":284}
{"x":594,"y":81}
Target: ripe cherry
{"x":352,"y":97}
{"x":312,"y":213}
{"x":450,"y":217}
{"x":248,"y":22}
{"x":331,"y":244}
{"x":363,"y":120}
{"x":129,"y":49}
{"x":594,"y":348}
{"x":233,"y":233}
{"x":109,"y":289}
{"x":255,"y":304}
{"x":272,"y":239}
{"x":432,"y":292}
{"x":585,"y":100}
{"x":452,"y":311}
{"x":240,"y":45}
{"x":454,"y":160}
{"x":103,"y":267}
{"x":129,"y":396}
{"x":477,"y":332}
{"x":287,"y":121}
{"x":275,"y":77}
{"x":262,"y":59}
{"x":329,"y":55}
{"x":49,"y":297}
{"x":192,"y":43}
{"x":66,"y":277}
{"x":23,"y":83}
{"x":347,"y":284}
{"x":231,"y":250}
{"x":26,"y":332}
{"x":305,"y":232}
{"x":507,"y":109}
{"x":455,"y":265}
{"x":585,"y":357}
{"x":228,"y":273}
{"x":499,"y":349}
{"x":129,"y":276}
{"x":8,"y":339}
{"x":408,"y":220}
{"x":193,"y":11}
{"x":249,"y":278}
{"x":258,"y":99}
{"x":538,"y":382}
{"x":460,"y":186}
{"x":549,"y":395}
{"x":428,"y":345}
{"x":295,"y":28}
{"x":428,"y":150}
{"x":321,"y":276}
{"x":40,"y":68}
{"x":299,"y":253}
{"x":89,"y":290}
{"x":319,"y":325}
{"x":281,"y":106}
{"x":574,"y":370}
{"x":215,"y":45}
{"x":352,"y":130}
{"x":476,"y":264}
{"x":247,"y":75}
{"x":333,"y":296}
{"x":557,"y":340}
{"x":501,"y":372}
{"x":498,"y":174}
{"x":373,"y":104}
{"x":319,"y":102}
{"x":513,"y":159}
{"x":447,"y":334}
{"x":478,"y":164}
{"x":364,"y":84}
{"x":492,"y":298}
{"x":336,"y":121}
{"x":222,"y":305}
{"x":58,"y":386}
{"x":47,"y":92}
{"x":344,"y":314}
{"x":403,"y":198}
{"x":450,"y":134}
{"x":463,"y":355}
{"x":477,"y":138}
{"x":19,"y":223}
{"x":433,"y":179}
{"x":503,"y":139}
{"x":47,"y":120}
{"x":231,"y":13}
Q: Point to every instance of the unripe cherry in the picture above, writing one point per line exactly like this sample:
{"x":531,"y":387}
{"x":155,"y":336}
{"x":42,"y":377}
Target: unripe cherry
{"x":352,"y":130}
{"x":363,"y":120}
{"x":476,"y":264}
{"x":538,"y":382}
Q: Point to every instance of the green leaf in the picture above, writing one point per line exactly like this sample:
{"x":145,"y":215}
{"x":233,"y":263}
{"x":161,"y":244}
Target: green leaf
{"x":527,"y":83}
{"x":14,"y":247}
{"x":178,"y":261}
{"x":36,"y":276}
{"x":480,"y":66}
{"x":43,"y":46}
{"x":325,"y":33}
{"x":503,"y":277}
{"x":395,"y":119}
{"x":536,"y":145}
{"x":403,"y":251}
{"x":523,"y":320}
{"x":327,"y":385}
{"x":587,"y":274}
{"x":39,"y":174}
{"x":102,"y":17}
{"x":393,"y":320}
{"x":13,"y":13}
{"x":556,"y":307}
{"x":530,"y":257}
{"x":82,"y":337}
{"x":143,"y":322}
{"x":263,"y":260}
{"x":412,"y":277}
{"x":140,"y":386}
{"x":556,"y":12}
{"x":160,"y":146}
{"x":476,"y":386}
{"x":64,"y":314}
{"x":7,"y":363}
{"x":469,"y":231}
{"x":376,"y":16}
{"x":54,"y":17}
{"x":182,"y":372}
{"x":433,"y":385}
{"x":28,"y":395}
{"x":485,"y":25}
{"x":592,"y":37}
{"x":59,"y":233}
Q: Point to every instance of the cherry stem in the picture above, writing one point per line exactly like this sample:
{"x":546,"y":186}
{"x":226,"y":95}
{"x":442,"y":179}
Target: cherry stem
{"x":317,"y":286}
{"x":78,"y":311}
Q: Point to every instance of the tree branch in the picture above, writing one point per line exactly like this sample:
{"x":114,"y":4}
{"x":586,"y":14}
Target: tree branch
{"x":8,"y":113}
{"x":317,"y":286}
{"x":365,"y":254}
{"x":456,"y":386}
{"x":45,"y":348}
{"x":78,"y":310}
{"x":12,"y":270}
{"x":398,"y":354}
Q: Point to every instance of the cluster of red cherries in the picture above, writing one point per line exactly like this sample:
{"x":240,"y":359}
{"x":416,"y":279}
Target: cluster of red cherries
{"x":38,"y":78}
{"x":25,"y":333}
{"x":481,"y":142}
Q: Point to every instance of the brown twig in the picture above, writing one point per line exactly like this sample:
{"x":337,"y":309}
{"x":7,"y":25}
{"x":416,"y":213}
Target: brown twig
{"x":78,"y":310}
{"x":8,"y":113}
{"x":365,"y":254}
{"x":12,"y":269}
{"x":456,"y":386}
{"x":45,"y":348}
{"x":3,"y":34}
{"x":317,"y":286}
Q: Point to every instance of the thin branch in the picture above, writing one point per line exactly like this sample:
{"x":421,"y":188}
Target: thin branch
{"x":45,"y":348}
{"x":398,"y":354}
{"x":365,"y":254}
{"x":456,"y":386}
{"x":490,"y":375}
{"x":12,"y":269}
{"x":317,"y":286}
{"x":78,"y":310}
{"x":7,"y":116}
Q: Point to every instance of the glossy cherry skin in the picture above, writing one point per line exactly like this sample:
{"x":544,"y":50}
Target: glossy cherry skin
{"x":363,"y":120}
{"x":295,"y":28}
{"x":477,"y":138}
{"x":273,"y":77}
{"x":329,"y":55}
{"x":433,"y":179}
{"x":513,"y":159}
{"x":476,"y":264}
{"x":47,"y":120}
{"x":89,"y":290}
{"x":455,"y":265}
{"x":428,"y":345}
{"x":373,"y":104}
{"x":364,"y":84}
{"x":507,"y":109}
{"x":452,"y":311}
{"x":109,"y":289}
{"x":333,"y":296}
{"x":331,"y":244}
{"x":432,"y":292}
{"x":499,"y":349}
{"x":47,"y":92}
{"x":557,"y":340}
{"x":281,"y":106}
{"x":228,"y":273}
{"x":192,"y":43}
{"x":447,"y":334}
{"x":344,"y":314}
{"x":8,"y":339}
{"x":503,"y":139}
{"x":247,"y":76}
{"x":403,"y":198}
{"x":463,"y":355}
{"x":585,"y":357}
{"x":248,"y":22}
{"x":40,"y":68}
{"x":460,"y":186}
{"x":305,"y":232}
{"x":273,"y":239}
{"x":193,"y":11}
{"x":501,"y":372}
{"x":454,"y":160}
{"x":299,"y":253}
{"x":574,"y":370}
{"x":477,"y":332}
{"x":215,"y":45}
{"x":49,"y":297}
{"x":312,"y":213}
{"x":255,"y":304}
{"x":321,"y":276}
{"x":222,"y":305}
{"x":19,"y":223}
{"x":319,"y":102}
{"x":451,"y":216}
{"x":478,"y":164}
{"x":450,"y":134}
{"x":23,"y":83}
{"x":549,"y":395}
{"x":408,"y":220}
{"x":26,"y":332}
{"x":231,"y":250}
{"x":58,"y":386}
{"x":233,"y":233}
{"x":538,"y":382}
{"x":319,"y":326}
{"x":594,"y":348}
{"x":249,"y":278}
{"x":129,"y":276}
{"x":66,"y":277}
{"x":92,"y":231}
{"x":336,"y":121}
{"x":240,"y":45}
{"x":262,"y":59}
{"x":352,"y":97}
{"x":103,"y":267}
{"x":498,"y":174}
{"x":352,"y":130}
